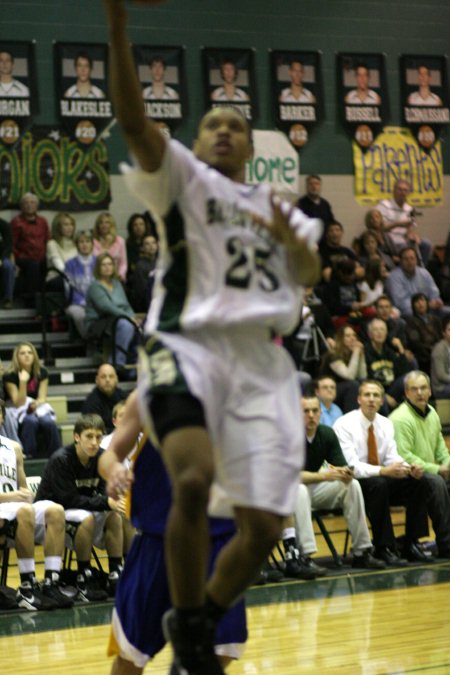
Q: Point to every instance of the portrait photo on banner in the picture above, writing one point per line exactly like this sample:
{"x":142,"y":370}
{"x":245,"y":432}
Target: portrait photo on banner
{"x":82,"y":90}
{"x":18,"y":89}
{"x":162,"y":77}
{"x":229,"y":79}
{"x":297,"y":92}
{"x":425,"y":97}
{"x":362,"y":94}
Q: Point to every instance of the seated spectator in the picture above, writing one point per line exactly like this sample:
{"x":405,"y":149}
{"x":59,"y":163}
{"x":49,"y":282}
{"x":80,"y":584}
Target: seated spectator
{"x":325,"y":390}
{"x":8,"y":268}
{"x":108,"y":310}
{"x":327,"y":483}
{"x":79,"y":273}
{"x":369,"y":249}
{"x":375,"y":224}
{"x":140,"y":281}
{"x":399,"y":221}
{"x":106,"y":240}
{"x":26,"y":386}
{"x":314,"y":205}
{"x":60,"y":248}
{"x":71,"y":478}
{"x":407,"y":279}
{"x":367,"y":441}
{"x":342,"y":296}
{"x":138,"y":227}
{"x":332,"y":251}
{"x":423,"y":331}
{"x":396,"y":326}
{"x":345,"y":363}
{"x":439,"y":268}
{"x":104,"y":396}
{"x":384,"y":364}
{"x":30,"y":235}
{"x":372,"y":286}
{"x":26,"y":523}
{"x":419,"y":439}
{"x":440,"y":364}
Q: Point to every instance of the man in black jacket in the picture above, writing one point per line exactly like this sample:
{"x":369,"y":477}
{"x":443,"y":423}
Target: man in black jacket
{"x":71,"y":479}
{"x":104,"y":396}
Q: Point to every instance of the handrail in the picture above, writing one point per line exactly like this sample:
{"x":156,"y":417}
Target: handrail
{"x":46,"y":348}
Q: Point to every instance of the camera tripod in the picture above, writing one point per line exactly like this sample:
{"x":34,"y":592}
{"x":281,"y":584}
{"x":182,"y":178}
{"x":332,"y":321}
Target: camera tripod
{"x":311,"y":351}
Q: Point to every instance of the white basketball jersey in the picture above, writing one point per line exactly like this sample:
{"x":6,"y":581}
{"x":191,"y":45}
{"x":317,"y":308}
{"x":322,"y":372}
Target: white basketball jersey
{"x":217,"y":265}
{"x":8,"y":466}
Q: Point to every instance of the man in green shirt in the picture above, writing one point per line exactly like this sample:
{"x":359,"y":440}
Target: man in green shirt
{"x":419,"y":439}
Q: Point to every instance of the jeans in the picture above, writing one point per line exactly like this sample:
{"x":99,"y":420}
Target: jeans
{"x":8,"y":275}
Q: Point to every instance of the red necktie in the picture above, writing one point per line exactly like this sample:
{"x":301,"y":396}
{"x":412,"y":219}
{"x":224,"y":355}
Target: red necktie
{"x":372,"y":454}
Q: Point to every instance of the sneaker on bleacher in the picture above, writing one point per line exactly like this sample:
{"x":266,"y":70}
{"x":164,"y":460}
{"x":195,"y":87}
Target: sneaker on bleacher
{"x":29,"y":596}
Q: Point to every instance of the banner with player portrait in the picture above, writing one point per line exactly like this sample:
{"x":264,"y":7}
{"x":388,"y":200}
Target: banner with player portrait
{"x":362,"y":91}
{"x":297,"y":93}
{"x":229,"y":77}
{"x":162,"y":76}
{"x":65,"y":176}
{"x":18,"y":90}
{"x":81,"y":81}
{"x":425,"y":99}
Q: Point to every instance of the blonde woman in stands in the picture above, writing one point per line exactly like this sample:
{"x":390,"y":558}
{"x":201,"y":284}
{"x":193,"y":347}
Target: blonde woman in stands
{"x":26,"y":386}
{"x":60,"y":248}
{"x":106,"y":240}
{"x":346,"y":364}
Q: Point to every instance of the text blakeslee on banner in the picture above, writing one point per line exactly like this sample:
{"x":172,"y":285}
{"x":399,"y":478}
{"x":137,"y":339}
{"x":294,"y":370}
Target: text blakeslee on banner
{"x":394,"y":154}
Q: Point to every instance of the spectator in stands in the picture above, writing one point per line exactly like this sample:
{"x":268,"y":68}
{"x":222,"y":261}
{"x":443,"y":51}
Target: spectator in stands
{"x":399,"y":221}
{"x":367,"y":441}
{"x":395,"y":324}
{"x":327,"y":483}
{"x":420,"y":441}
{"x":26,"y":385}
{"x":369,"y":249}
{"x":138,"y":227}
{"x":60,"y":248}
{"x":140,"y":281}
{"x":423,"y":331}
{"x":30,"y":236}
{"x":345,"y":363}
{"x":108,"y":311}
{"x":71,"y":478}
{"x":342,"y":296}
{"x":104,"y":396}
{"x":314,"y":205}
{"x":385,"y":364}
{"x":106,"y":240}
{"x":372,"y":286}
{"x":27,"y":523}
{"x":8,"y":268}
{"x":325,"y":390}
{"x":79,"y":272}
{"x":332,"y":251}
{"x":439,"y":268}
{"x":407,"y":279}
{"x":374,"y":223}
{"x":440,"y":364}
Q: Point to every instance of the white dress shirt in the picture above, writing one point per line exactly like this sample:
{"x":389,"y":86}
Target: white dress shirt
{"x":352,"y":430}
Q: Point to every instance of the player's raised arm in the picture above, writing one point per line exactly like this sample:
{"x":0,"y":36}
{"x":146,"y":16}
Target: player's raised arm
{"x":142,"y":135}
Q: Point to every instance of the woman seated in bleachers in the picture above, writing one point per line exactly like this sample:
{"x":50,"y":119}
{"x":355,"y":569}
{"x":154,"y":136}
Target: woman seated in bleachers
{"x":372,"y":286}
{"x":423,"y":331}
{"x":79,"y":273}
{"x":440,"y":364}
{"x":138,"y":227}
{"x":369,"y":248}
{"x":26,"y":386}
{"x":375,"y":224}
{"x":60,"y":248}
{"x":346,"y":364}
{"x":108,"y":310}
{"x":106,"y":240}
